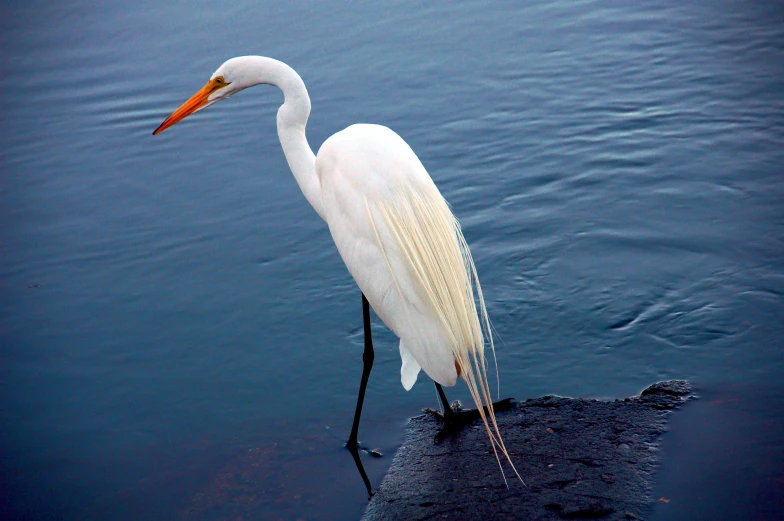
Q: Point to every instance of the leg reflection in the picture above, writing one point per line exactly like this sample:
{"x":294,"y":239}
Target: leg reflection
{"x":355,"y":454}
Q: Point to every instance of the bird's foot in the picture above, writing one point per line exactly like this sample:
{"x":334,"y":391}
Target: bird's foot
{"x":455,"y":418}
{"x":354,"y":446}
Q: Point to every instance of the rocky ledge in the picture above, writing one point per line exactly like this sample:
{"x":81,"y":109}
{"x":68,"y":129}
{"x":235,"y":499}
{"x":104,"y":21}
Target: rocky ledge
{"x":580,"y":459}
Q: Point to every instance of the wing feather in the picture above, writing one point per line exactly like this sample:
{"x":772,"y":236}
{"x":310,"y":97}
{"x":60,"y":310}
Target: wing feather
{"x":407,"y":253}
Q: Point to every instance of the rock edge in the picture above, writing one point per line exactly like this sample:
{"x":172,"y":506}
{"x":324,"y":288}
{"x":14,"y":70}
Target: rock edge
{"x":580,"y":459}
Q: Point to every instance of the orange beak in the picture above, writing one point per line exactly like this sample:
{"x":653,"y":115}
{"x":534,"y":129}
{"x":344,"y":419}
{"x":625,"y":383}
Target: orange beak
{"x":197,"y":101}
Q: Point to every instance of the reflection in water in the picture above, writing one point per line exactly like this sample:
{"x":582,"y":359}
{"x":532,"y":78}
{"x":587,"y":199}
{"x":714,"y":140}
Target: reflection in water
{"x":361,"y":468}
{"x":288,"y":479}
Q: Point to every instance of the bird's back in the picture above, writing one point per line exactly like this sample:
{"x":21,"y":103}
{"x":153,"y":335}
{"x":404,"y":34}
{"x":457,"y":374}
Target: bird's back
{"x":399,"y":240}
{"x":404,"y":248}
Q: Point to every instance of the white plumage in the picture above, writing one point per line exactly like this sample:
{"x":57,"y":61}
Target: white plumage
{"x":393,"y":229}
{"x":371,"y":181}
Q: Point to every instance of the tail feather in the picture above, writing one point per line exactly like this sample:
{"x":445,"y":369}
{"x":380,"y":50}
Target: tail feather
{"x":432,"y":243}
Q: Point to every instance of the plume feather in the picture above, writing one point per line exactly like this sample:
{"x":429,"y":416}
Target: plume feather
{"x":430,"y":239}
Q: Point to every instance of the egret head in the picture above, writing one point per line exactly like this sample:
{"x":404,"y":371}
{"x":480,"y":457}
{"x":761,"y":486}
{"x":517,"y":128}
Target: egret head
{"x":231,"y":77}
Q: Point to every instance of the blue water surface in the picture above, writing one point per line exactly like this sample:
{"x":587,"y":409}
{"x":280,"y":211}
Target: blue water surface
{"x":180,"y":339}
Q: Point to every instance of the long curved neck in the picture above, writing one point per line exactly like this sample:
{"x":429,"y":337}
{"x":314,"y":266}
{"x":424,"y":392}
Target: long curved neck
{"x":292,"y":118}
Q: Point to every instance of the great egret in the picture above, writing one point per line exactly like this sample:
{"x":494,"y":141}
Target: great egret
{"x":394,"y":231}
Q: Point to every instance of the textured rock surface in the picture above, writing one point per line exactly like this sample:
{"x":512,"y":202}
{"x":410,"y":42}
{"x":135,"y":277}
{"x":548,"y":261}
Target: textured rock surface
{"x":580,"y":459}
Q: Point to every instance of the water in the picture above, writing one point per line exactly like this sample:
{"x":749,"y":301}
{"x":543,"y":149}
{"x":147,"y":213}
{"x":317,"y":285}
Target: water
{"x":178,"y":330}
{"x":724,"y":457}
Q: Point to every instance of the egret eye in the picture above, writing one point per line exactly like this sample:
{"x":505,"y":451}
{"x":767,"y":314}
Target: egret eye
{"x":218,"y":83}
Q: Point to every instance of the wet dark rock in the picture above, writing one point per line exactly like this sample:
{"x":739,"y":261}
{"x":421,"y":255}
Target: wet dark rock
{"x":580,"y":459}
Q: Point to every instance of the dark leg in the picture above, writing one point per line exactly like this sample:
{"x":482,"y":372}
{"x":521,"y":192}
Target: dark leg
{"x":367,"y":365}
{"x":449,"y":414}
{"x":454,"y":420}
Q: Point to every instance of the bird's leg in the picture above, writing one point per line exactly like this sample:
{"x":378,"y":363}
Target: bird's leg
{"x":454,"y":420}
{"x":449,"y":413}
{"x":367,"y":364}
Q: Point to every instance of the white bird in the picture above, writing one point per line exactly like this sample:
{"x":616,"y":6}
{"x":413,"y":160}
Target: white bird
{"x":394,"y":231}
